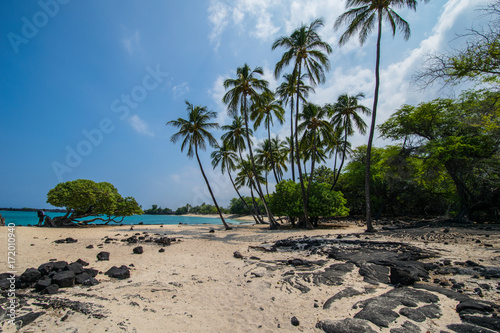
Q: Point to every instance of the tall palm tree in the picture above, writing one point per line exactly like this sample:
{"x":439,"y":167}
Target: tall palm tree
{"x":263,"y":111}
{"x":305,"y":51}
{"x":246,"y":88}
{"x":286,"y":91}
{"x":227,"y":159}
{"x":195,"y":132}
{"x":362,"y":19}
{"x":316,"y":130}
{"x":344,"y":116}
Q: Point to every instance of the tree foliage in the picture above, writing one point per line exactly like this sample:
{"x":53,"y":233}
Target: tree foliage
{"x":461,"y":137}
{"x":287,"y":200}
{"x":84,"y":198}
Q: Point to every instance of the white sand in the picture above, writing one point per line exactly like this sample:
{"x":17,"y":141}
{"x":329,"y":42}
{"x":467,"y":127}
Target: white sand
{"x":197,"y":285}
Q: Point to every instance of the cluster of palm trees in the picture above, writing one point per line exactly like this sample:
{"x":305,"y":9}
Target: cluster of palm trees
{"x":316,"y":132}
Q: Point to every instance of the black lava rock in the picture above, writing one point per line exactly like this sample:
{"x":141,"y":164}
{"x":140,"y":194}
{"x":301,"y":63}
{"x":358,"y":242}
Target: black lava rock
{"x":138,"y":250}
{"x":122,"y":272}
{"x":86,"y":279}
{"x":43,"y":283}
{"x":64,"y":279}
{"x":295,"y":321}
{"x":50,"y":290}
{"x":103,"y":256}
{"x":31,"y":275}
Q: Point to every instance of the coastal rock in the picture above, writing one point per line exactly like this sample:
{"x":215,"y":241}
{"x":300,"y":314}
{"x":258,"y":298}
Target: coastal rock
{"x":46,"y":268}
{"x":101,"y":256}
{"x":407,"y":327}
{"x":50,"y":290}
{"x":64,"y":279}
{"x":27,"y":319}
{"x":295,"y":321}
{"x":122,"y":272}
{"x":59,"y":266}
{"x":138,"y":250}
{"x":5,"y":280}
{"x":468,"y":328}
{"x":43,"y":283}
{"x":82,"y":262}
{"x":75,"y":268}
{"x":90,"y":271}
{"x":346,"y":293}
{"x":348,"y":325}
{"x":31,"y":275}
{"x":237,"y":255}
{"x":164,"y":241}
{"x":403,"y":276}
{"x":68,"y":240}
{"x":86,"y":279}
{"x":374,"y":274}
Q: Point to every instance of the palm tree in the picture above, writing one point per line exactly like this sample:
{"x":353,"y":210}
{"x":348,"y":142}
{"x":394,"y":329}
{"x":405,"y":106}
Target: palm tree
{"x":316,"y":130}
{"x":247,"y":86}
{"x":286,"y":91}
{"x":362,"y":19}
{"x":280,"y":156}
{"x":263,"y":110}
{"x":195,"y":132}
{"x":345,"y":117}
{"x":235,"y":135}
{"x":247,"y":177}
{"x":305,"y":50}
{"x":227,"y":158}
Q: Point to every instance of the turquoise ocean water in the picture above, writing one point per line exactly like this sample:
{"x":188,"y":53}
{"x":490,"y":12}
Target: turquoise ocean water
{"x":25,"y":218}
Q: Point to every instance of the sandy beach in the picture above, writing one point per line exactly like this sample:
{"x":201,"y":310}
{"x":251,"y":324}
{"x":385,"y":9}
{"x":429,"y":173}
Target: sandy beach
{"x":211,"y":280}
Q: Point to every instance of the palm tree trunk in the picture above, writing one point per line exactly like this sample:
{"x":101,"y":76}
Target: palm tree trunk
{"x":241,"y":198}
{"x":292,"y":161}
{"x":342,"y":161}
{"x":255,"y":208}
{"x":369,"y":226}
{"x":273,"y":223}
{"x":271,"y":153}
{"x":210,"y":190}
{"x":307,"y":224}
{"x":313,"y":160}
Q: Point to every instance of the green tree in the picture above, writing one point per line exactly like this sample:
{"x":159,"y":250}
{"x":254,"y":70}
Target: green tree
{"x":194,"y":132}
{"x":462,"y":136}
{"x":305,"y":51}
{"x":248,"y":177}
{"x":362,"y":19}
{"x":345,"y":116}
{"x":247,"y":86}
{"x":84,"y":198}
{"x":286,"y":201}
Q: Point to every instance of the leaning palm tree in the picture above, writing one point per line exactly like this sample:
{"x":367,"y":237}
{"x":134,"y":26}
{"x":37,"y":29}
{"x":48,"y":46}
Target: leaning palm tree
{"x":264,"y":110}
{"x":243,"y":90}
{"x":227,"y":159}
{"x":344,"y":116}
{"x":305,"y":52}
{"x":286,"y":91}
{"x":362,"y":19}
{"x":195,"y":132}
{"x":317,"y":129}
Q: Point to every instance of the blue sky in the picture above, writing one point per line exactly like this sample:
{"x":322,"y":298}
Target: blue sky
{"x":88,"y":86}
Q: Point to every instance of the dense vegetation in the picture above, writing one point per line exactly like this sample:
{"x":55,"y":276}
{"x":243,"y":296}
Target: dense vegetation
{"x":445,"y":159}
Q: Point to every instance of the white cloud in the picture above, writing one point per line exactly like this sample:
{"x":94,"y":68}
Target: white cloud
{"x":180,"y":89}
{"x":132,"y":43}
{"x":139,"y":125}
